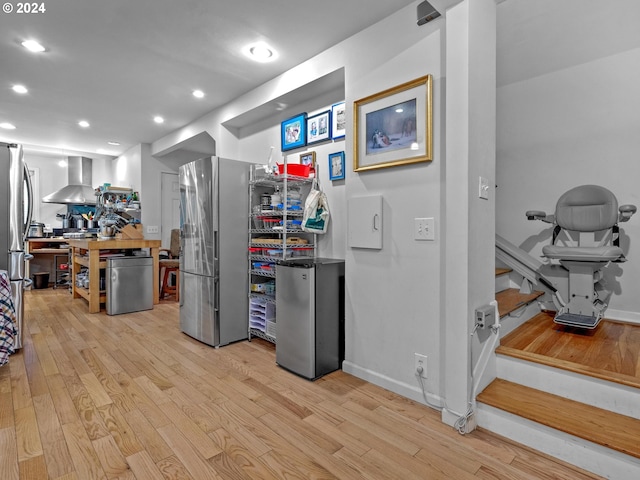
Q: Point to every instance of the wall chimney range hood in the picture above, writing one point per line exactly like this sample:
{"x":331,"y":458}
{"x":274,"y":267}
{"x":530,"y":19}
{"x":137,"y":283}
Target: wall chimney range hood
{"x":79,"y":190}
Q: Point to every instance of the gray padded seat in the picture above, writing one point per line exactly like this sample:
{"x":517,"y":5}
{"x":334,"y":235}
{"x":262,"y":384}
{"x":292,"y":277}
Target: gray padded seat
{"x":607,"y":253}
{"x":587,"y":208}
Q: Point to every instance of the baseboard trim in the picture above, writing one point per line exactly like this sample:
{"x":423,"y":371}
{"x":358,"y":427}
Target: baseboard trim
{"x":412,"y":392}
{"x":622,"y":316}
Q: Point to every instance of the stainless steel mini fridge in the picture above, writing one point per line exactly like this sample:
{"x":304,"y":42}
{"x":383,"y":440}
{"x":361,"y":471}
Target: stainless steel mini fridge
{"x":129,"y":284}
{"x":310,"y":316}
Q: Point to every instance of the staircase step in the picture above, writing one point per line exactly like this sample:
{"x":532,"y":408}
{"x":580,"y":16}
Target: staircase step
{"x":510,"y":300}
{"x":602,"y":427}
{"x":605,"y":354}
{"x":502,"y":271}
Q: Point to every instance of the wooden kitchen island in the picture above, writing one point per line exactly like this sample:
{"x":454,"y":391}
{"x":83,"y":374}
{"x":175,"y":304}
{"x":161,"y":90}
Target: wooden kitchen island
{"x":86,"y":252}
{"x":44,"y":251}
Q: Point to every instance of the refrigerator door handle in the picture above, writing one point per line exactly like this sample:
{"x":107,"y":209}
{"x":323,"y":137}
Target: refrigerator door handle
{"x":216,"y":257}
{"x":27,"y":179}
{"x":16,"y":265}
{"x":216,"y":297}
{"x":28,"y":257}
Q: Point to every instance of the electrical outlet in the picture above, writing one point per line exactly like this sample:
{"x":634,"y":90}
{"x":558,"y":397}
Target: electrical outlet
{"x":421,"y":362}
{"x":424,"y":229}
{"x":153,"y":229}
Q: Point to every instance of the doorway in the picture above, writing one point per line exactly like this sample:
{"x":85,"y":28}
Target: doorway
{"x":170,"y":206}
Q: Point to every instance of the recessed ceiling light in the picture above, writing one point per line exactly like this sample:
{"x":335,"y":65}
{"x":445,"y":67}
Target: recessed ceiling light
{"x":33,"y":46}
{"x":7,"y":126}
{"x":19,"y":89}
{"x":62,"y":163}
{"x":114,"y":143}
{"x":198,"y":93}
{"x":158,"y":119}
{"x":83,"y":124}
{"x":399,"y":110}
{"x":260,"y":52}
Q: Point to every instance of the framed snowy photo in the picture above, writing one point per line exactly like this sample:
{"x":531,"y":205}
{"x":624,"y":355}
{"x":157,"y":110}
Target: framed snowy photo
{"x":394,"y":127}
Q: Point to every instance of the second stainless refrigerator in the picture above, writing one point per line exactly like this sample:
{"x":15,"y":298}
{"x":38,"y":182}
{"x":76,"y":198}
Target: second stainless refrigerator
{"x":214,"y":232}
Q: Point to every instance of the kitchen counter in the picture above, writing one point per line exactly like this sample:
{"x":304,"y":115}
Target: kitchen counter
{"x":90,"y":253}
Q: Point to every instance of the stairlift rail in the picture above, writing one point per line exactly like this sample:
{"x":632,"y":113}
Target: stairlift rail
{"x":523,"y":263}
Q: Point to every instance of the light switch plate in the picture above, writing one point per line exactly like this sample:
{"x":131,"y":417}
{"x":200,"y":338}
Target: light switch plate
{"x":424,"y":229}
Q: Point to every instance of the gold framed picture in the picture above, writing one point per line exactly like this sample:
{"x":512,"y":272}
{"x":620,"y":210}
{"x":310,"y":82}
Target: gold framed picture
{"x":308,"y":158}
{"x":394,"y":127}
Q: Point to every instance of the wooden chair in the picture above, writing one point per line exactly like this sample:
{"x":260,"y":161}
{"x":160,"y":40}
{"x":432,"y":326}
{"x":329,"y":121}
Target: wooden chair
{"x":169,"y":265}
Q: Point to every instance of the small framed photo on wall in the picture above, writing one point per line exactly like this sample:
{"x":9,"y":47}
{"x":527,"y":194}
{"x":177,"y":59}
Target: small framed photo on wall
{"x":319,"y":127}
{"x":293,"y":132}
{"x":308,"y":158}
{"x":338,"y":120}
{"x":336,"y":166}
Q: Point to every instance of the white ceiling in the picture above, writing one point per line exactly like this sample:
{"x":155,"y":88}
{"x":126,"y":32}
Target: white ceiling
{"x":118,"y":63}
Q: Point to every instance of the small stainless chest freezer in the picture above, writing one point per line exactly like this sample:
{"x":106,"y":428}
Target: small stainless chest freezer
{"x":129,"y":282}
{"x":310,"y":315}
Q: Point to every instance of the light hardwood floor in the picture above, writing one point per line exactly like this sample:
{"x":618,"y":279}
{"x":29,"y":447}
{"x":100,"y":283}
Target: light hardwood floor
{"x":93,"y":396}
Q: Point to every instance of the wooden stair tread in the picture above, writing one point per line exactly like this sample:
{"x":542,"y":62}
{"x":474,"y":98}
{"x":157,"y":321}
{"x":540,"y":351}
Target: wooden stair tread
{"x":511,"y":299}
{"x":502,"y":271}
{"x":609,"y":429}
{"x":585,"y":352}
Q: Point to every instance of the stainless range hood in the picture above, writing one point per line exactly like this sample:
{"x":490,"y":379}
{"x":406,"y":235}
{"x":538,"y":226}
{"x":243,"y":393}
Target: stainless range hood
{"x":79,"y":191}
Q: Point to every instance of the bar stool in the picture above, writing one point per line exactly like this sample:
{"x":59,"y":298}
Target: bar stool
{"x":171,"y":265}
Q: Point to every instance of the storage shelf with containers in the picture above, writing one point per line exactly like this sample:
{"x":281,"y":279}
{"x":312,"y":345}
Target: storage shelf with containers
{"x":275,"y":233}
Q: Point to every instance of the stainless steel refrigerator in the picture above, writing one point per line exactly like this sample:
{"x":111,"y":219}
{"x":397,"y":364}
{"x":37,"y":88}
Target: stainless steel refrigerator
{"x":214,"y":206}
{"x":16,"y":200}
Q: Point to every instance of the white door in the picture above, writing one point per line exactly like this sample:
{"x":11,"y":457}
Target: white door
{"x":170,"y":206}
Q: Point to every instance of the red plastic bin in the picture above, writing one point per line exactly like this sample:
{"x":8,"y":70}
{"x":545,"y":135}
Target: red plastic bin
{"x":296,"y":169}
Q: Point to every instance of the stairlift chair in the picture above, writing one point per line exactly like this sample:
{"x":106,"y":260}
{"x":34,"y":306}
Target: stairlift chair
{"x":585,"y":240}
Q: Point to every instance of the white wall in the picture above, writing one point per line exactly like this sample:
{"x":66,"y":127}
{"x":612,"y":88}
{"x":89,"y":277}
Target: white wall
{"x":576,"y":125}
{"x":127,"y":169}
{"x":139,"y":170}
{"x":393,"y":294}
{"x":469,"y":241}
{"x":151,"y":192}
{"x":52,"y":177}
